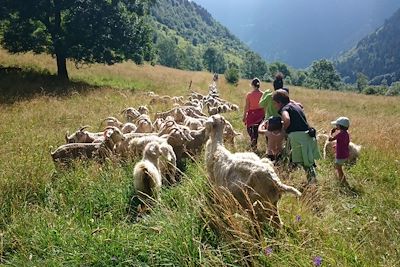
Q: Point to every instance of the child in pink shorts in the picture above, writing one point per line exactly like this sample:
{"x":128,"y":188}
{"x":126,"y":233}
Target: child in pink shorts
{"x":342,"y":137}
{"x":273,"y":130}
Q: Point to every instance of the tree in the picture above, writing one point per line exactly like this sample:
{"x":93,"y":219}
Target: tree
{"x":168,"y":52}
{"x":232,"y":74}
{"x":276,"y":67}
{"x":86,"y":31}
{"x":362,"y":82}
{"x":323,"y":74}
{"x":214,"y":60}
{"x":254,"y":66}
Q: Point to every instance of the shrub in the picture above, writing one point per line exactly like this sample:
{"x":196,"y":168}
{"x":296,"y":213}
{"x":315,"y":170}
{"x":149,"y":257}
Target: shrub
{"x":232,"y":75}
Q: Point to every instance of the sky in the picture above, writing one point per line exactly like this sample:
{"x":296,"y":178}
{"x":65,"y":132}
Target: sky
{"x":300,"y":31}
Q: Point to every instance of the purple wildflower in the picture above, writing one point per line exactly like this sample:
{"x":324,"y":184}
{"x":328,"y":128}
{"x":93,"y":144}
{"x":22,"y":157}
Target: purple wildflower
{"x":298,"y":218}
{"x":317,"y":261}
{"x":268,"y":251}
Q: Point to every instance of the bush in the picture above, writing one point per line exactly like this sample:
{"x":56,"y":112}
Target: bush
{"x":232,"y":75}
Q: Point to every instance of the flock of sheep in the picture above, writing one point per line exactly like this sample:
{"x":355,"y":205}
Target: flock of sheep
{"x":179,"y":133}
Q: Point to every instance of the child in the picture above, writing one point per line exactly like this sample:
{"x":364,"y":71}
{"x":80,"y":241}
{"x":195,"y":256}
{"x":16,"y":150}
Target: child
{"x":253,"y":113}
{"x":273,"y":130}
{"x":342,"y":138}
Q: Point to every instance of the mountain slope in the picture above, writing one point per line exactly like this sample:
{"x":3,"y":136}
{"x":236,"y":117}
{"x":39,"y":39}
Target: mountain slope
{"x":185,"y":29}
{"x":299,"y":32}
{"x":377,"y":55}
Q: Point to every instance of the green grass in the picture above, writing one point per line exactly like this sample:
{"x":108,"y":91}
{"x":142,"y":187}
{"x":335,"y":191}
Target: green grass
{"x":84,"y":216}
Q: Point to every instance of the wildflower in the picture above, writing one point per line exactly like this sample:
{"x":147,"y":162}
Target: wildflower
{"x":298,"y":218}
{"x":317,"y":261}
{"x":268,"y":251}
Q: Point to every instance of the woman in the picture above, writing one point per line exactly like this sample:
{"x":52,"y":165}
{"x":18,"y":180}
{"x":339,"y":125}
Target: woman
{"x":304,"y":148}
{"x":253,"y":113}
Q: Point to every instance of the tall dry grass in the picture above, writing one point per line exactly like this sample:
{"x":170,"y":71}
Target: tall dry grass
{"x":82,"y":216}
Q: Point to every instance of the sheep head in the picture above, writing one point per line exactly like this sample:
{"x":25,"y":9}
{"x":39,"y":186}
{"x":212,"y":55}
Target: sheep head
{"x":215,"y":122}
{"x":131,"y":114}
{"x":114,"y":134}
{"x":143,"y":110}
{"x":80,"y":136}
{"x":152,"y":150}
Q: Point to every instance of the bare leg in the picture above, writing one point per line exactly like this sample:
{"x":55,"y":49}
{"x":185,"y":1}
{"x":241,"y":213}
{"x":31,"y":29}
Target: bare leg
{"x":340,"y":173}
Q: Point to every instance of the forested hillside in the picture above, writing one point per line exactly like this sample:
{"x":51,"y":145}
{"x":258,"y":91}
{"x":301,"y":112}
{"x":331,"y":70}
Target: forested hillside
{"x":188,"y":37}
{"x":376,"y":56}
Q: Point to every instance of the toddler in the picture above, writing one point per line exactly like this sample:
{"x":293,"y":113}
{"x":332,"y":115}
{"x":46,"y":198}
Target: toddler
{"x":273,"y":130}
{"x":342,"y":137}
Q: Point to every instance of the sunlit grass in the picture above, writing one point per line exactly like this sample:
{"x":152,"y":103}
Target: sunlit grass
{"x":83,"y":216}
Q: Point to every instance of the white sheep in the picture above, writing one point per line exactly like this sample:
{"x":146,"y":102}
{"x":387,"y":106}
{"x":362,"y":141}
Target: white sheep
{"x":131,"y":114}
{"x":247,"y":179}
{"x":144,"y":124}
{"x":230,"y":134}
{"x":112,"y":121}
{"x":167,"y":164}
{"x":147,"y":176}
{"x":143,"y":110}
{"x":128,"y":127}
{"x":192,"y":123}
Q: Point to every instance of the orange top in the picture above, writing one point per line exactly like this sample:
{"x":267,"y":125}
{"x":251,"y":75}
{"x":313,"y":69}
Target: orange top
{"x":254,"y":98}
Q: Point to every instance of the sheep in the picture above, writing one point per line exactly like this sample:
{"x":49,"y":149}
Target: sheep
{"x":176,"y":138}
{"x":64,"y":154}
{"x":178,"y":100}
{"x":82,"y":136}
{"x":167,"y":164}
{"x":137,"y":145}
{"x":192,"y":123}
{"x":161,"y":99}
{"x":112,"y":121}
{"x":128,"y":128}
{"x":195,"y":95}
{"x":188,"y":110}
{"x":234,"y":107}
{"x":114,"y":137}
{"x":144,"y":124}
{"x":248,"y":179}
{"x":329,"y":149}
{"x":146,"y":173}
{"x":143,"y":110}
{"x":230,"y":134}
{"x":123,"y":148}
{"x":131,"y":114}
{"x":199,"y":139}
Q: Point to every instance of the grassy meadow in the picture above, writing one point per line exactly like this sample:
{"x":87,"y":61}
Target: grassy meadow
{"x":83,"y":216}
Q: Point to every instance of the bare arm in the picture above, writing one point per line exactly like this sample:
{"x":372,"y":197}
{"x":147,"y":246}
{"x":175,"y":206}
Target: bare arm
{"x":246,"y":108}
{"x":334,"y":135}
{"x":263,"y":127}
{"x":285,"y":119}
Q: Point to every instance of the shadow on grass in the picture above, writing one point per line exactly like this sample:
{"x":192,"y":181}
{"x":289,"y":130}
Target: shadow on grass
{"x":17,"y":84}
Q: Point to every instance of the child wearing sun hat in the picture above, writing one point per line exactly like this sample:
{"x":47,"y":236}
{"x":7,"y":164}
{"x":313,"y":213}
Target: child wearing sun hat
{"x":342,"y":137}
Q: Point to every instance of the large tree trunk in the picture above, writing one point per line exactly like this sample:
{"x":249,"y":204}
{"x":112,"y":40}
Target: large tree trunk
{"x":62,"y":72}
{"x":59,"y":45}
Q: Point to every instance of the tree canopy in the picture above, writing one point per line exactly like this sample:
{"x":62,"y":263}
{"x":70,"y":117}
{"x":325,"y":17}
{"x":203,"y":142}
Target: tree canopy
{"x":86,"y":31}
{"x":322,"y":74}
